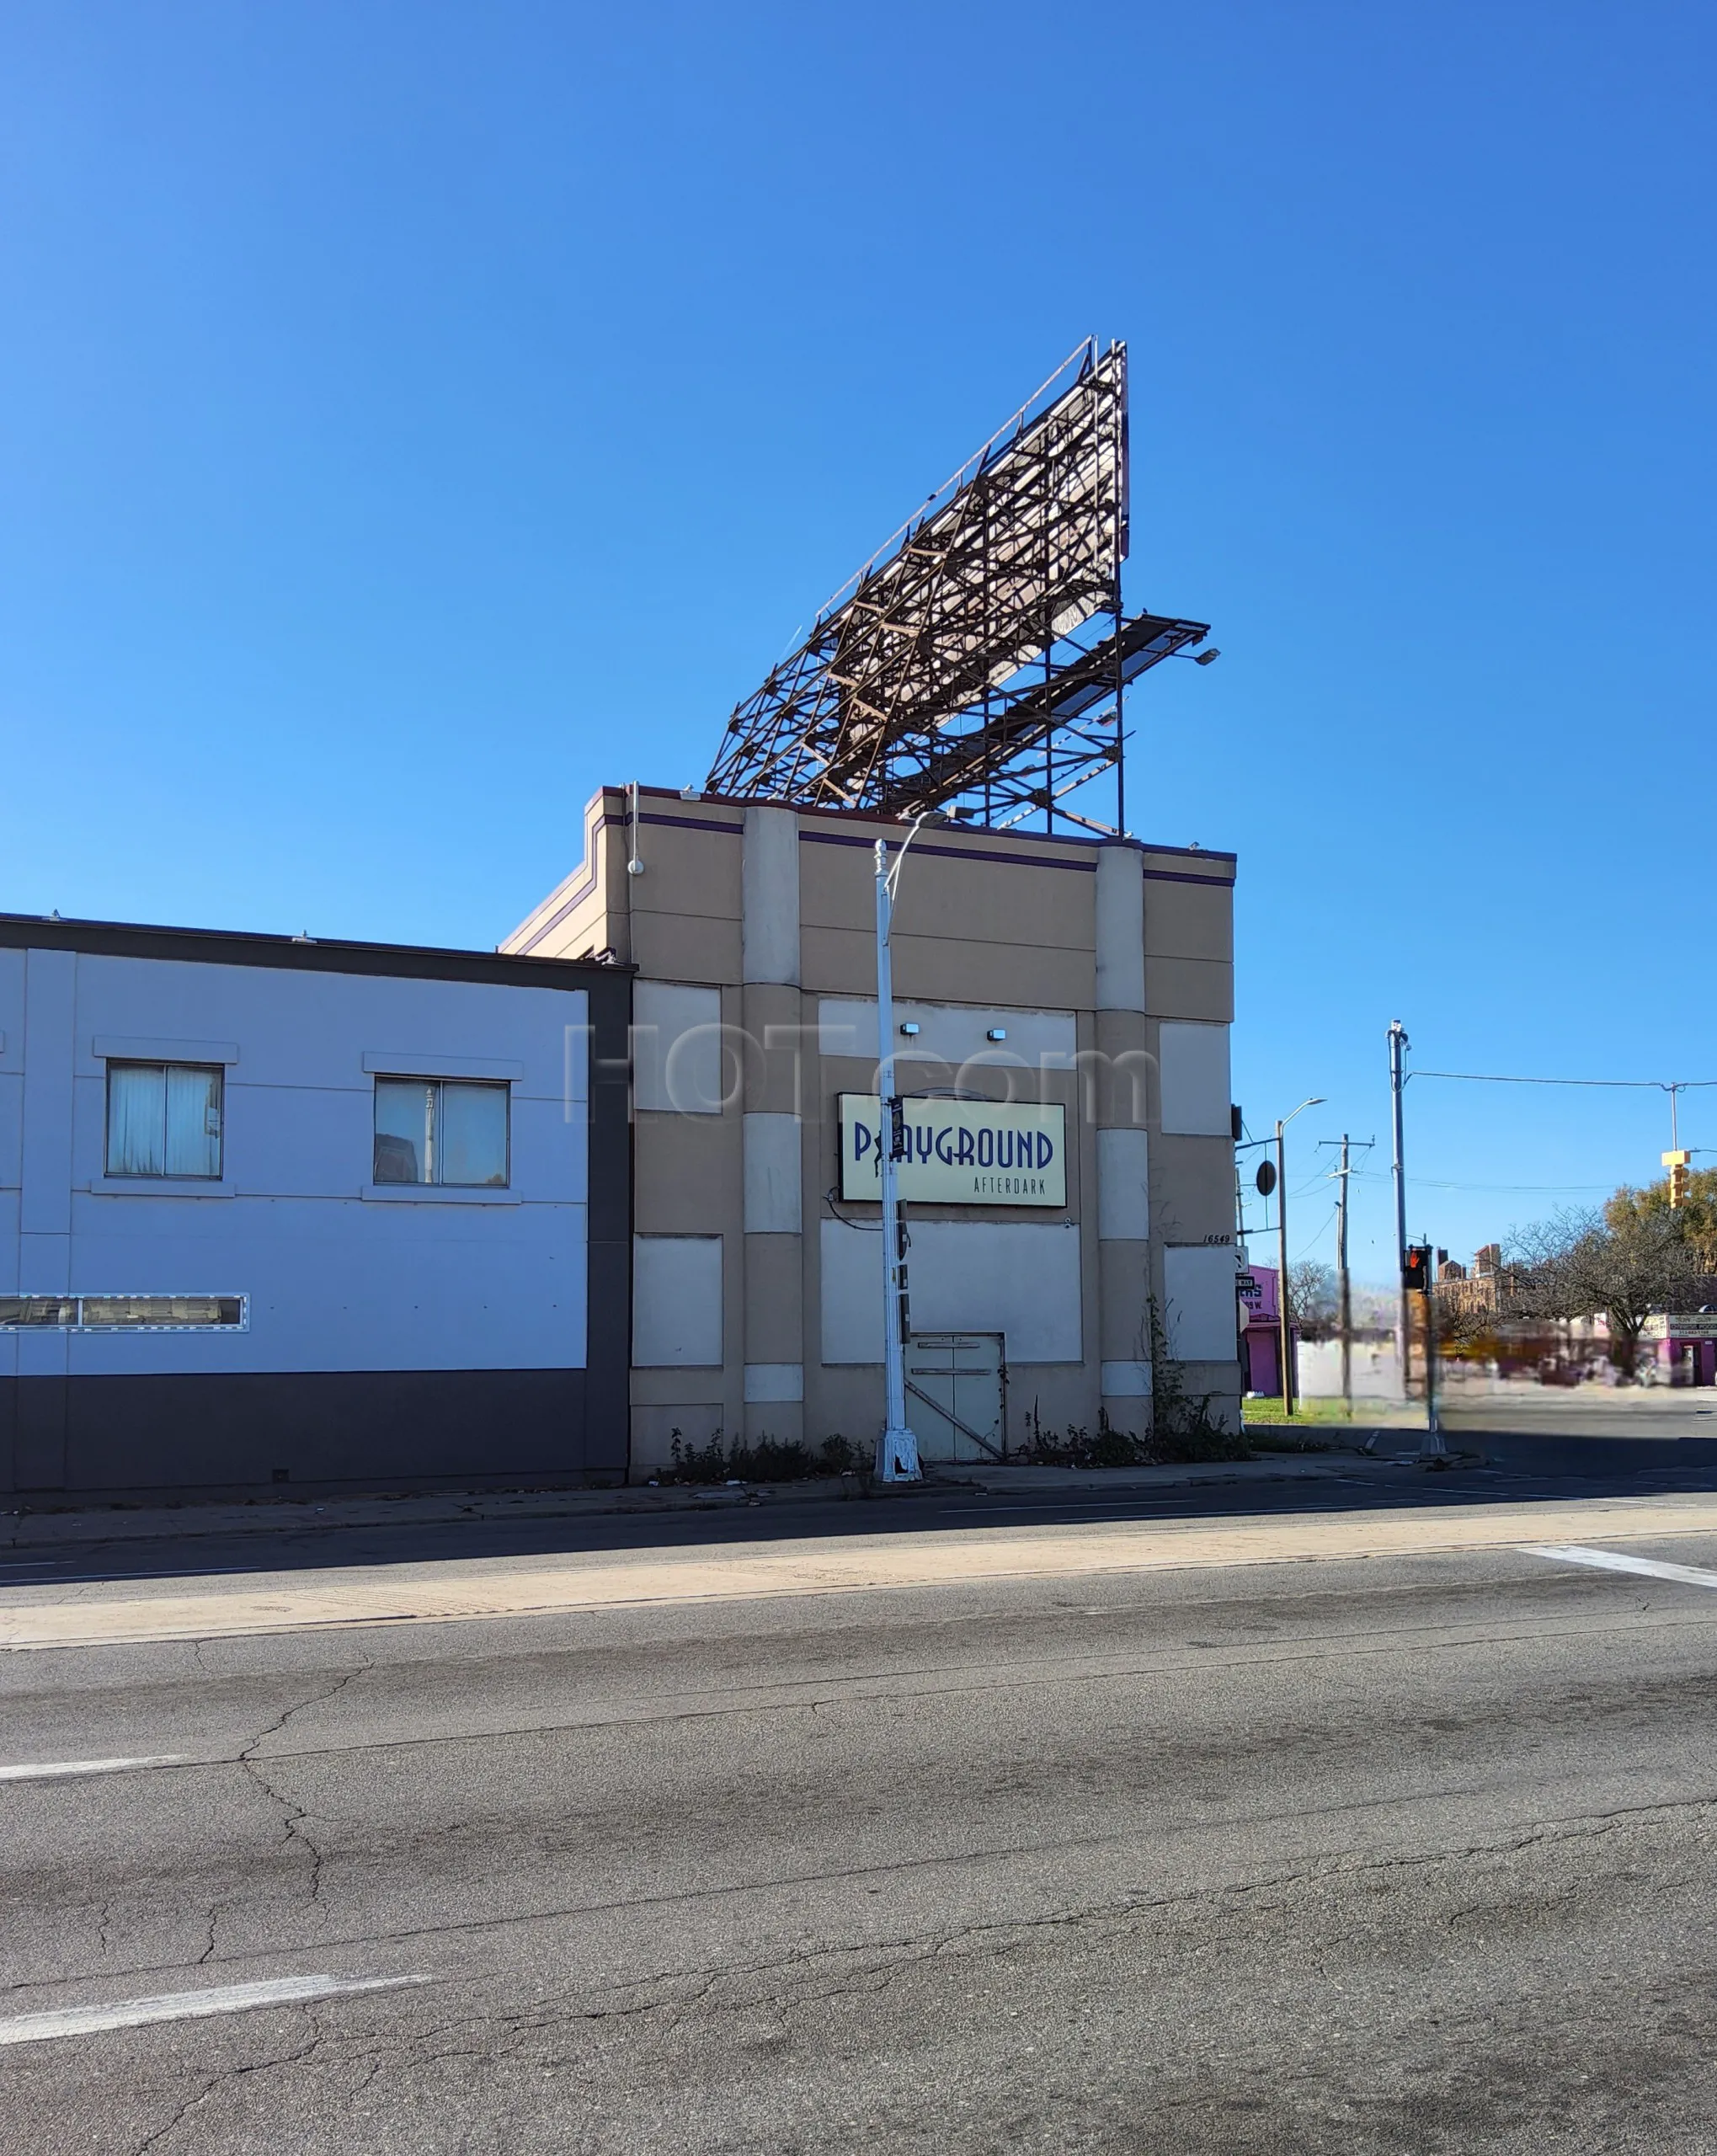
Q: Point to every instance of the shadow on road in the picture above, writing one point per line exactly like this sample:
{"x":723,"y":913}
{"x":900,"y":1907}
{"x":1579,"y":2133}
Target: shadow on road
{"x":1568,"y":1468}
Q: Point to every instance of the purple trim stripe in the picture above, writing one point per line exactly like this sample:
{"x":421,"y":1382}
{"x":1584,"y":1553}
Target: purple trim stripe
{"x":1032,"y":860}
{"x":951,"y":852}
{"x":686,"y":823}
{"x":580,"y":891}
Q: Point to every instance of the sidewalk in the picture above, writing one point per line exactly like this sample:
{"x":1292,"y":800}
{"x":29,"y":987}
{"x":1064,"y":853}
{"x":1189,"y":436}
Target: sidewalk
{"x":294,"y":1516}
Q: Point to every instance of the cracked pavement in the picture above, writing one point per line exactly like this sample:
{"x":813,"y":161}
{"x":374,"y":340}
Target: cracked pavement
{"x":1396,"y":1854}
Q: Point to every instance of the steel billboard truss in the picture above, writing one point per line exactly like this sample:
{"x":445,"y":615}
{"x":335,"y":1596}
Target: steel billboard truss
{"x":979,"y":661}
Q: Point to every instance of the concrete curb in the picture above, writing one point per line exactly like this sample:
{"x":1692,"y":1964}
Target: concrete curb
{"x":277,"y":1516}
{"x":98,"y":1524}
{"x":25,"y":1529}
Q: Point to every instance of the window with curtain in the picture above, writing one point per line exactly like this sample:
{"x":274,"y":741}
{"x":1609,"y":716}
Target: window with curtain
{"x":437,"y":1130}
{"x":164,"y":1119}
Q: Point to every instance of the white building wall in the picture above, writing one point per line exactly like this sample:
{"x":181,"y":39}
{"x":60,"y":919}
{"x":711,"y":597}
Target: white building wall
{"x":341,"y":1276}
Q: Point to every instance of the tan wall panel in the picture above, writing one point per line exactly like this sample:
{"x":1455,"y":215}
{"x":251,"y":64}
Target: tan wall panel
{"x":708,"y":1387}
{"x":1064,"y":1395}
{"x":1189,"y":988}
{"x":1193,"y":1188}
{"x":844,"y":1400}
{"x":653,"y":1428}
{"x":1218,"y":1382}
{"x":688,"y":1175}
{"x":774,"y":1298}
{"x":837,"y":884}
{"x":688,"y":872}
{"x":979,"y":899}
{"x":991,"y":903}
{"x":681,"y":947}
{"x":1188,"y":920}
{"x":843,"y":961}
{"x":839,"y":961}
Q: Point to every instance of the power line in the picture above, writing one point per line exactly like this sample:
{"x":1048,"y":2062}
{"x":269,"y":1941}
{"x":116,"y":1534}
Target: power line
{"x":1491,"y":1078}
{"x":1674,"y":1087}
{"x":1426,"y":1182}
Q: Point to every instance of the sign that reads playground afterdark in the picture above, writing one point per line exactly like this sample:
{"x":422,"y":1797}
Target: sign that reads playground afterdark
{"x":959,"y":1152}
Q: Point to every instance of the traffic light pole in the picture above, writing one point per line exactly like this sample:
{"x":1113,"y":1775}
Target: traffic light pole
{"x":1397,"y":1046}
{"x":1346,"y":1287}
{"x":1284,"y":1326}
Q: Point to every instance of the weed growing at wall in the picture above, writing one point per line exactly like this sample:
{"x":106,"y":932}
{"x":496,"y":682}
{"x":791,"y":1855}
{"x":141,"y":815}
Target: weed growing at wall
{"x":765,"y":1461}
{"x":1180,"y":1426}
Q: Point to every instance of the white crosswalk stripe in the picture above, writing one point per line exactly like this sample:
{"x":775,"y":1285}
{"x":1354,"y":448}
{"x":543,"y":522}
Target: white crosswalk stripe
{"x":190,"y":2005}
{"x":1616,"y":1561}
{"x":44,"y":1770}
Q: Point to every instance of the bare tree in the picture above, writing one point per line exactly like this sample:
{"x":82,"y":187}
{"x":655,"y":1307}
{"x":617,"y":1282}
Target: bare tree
{"x":1624,"y":1268}
{"x":1314,"y":1298}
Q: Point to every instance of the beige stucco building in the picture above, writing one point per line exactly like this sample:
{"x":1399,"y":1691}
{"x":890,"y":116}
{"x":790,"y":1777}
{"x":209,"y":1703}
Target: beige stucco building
{"x":1090,"y":977}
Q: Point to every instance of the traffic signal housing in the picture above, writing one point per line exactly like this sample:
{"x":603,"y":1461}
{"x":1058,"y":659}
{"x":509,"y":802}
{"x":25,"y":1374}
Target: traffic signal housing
{"x":1416,"y":1268}
{"x":1676,"y":1163}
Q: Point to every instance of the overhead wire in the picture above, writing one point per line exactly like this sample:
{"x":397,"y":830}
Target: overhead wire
{"x":1492,"y":1078}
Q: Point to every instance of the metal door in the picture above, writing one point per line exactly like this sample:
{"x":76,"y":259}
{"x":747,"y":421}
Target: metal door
{"x":954,"y":1384}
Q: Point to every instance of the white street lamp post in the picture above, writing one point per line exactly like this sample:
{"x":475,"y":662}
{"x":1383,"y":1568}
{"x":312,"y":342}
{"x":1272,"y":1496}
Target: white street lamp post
{"x":897,"y":1449}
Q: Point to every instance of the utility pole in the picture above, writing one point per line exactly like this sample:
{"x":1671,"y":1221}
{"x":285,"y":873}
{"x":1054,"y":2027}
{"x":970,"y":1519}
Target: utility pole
{"x":1284,"y":1325}
{"x":1340,"y":1175}
{"x":1398,"y":1044}
{"x":896,"y":1448}
{"x":1284,"y":1329}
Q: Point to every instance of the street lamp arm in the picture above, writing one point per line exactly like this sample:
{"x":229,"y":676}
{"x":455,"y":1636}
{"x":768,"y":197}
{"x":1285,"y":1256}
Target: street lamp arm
{"x":1316,"y":1100}
{"x":893,"y":872}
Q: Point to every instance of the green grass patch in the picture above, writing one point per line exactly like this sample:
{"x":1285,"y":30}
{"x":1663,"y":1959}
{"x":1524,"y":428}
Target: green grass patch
{"x":1268,"y":1414}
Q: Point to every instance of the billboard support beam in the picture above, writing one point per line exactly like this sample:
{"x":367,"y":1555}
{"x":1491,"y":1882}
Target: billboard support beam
{"x":979,"y":662}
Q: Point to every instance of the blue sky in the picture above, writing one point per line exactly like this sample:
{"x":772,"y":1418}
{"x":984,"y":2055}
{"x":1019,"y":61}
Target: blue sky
{"x":413,"y":415}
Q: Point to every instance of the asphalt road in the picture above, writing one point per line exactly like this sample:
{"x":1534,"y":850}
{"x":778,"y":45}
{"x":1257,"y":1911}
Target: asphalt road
{"x":1394,"y":1854}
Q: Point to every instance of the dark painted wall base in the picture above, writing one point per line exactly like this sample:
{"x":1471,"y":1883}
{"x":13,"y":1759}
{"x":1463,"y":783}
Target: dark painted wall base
{"x":369,"y":1429}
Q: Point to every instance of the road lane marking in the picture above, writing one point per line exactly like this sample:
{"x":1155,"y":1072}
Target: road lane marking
{"x":453,"y":1590}
{"x":42,"y":1770}
{"x":1614,"y":1561}
{"x":190,"y":2005}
